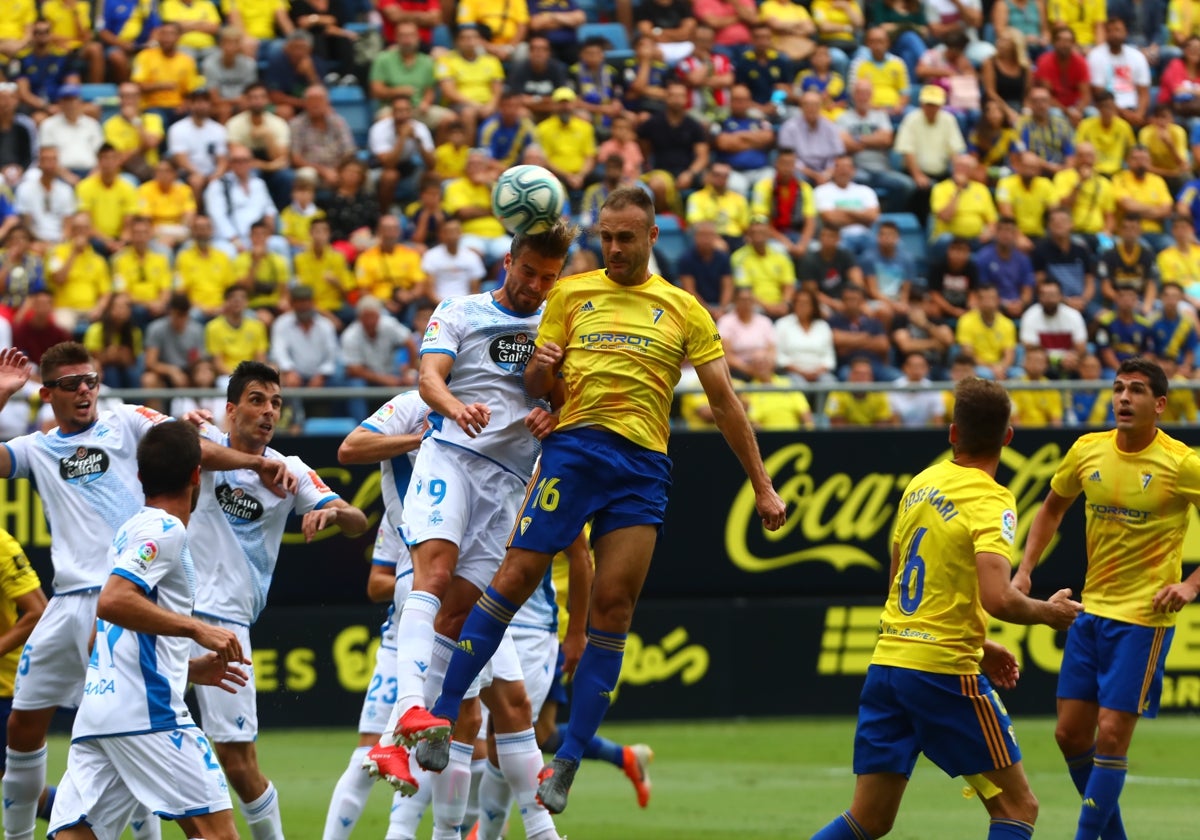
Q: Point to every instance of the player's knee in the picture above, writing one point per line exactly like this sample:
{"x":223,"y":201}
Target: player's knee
{"x":1071,"y":740}
{"x":1112,"y":737}
{"x":612,"y":608}
{"x":517,"y":580}
{"x":1019,"y":804}
{"x":26,"y":731}
{"x":876,"y":825}
{"x":513,"y":712}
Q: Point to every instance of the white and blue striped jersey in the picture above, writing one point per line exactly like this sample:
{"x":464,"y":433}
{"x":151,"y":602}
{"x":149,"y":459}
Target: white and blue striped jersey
{"x":403,"y":414}
{"x":136,"y":681}
{"x":236,"y":531}
{"x":540,"y":611}
{"x":490,"y":346}
{"x":89,"y":488}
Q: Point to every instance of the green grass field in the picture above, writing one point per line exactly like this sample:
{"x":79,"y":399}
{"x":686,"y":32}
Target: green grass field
{"x":768,"y":779}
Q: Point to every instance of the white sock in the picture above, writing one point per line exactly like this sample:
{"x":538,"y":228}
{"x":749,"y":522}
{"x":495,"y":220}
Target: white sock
{"x":24,"y":778}
{"x":414,"y":648}
{"x":262,"y":815}
{"x":145,"y":825}
{"x":472,"y":814}
{"x":451,"y":788}
{"x":349,"y":798}
{"x":407,"y":811}
{"x":439,"y":661}
{"x":520,"y":762}
{"x":495,"y":800}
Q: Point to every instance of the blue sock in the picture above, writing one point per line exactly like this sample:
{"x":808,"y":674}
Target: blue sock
{"x":1004,"y":829}
{"x":595,"y":679}
{"x":605,"y":750}
{"x":44,"y":811}
{"x":480,"y":636}
{"x":1100,"y":798}
{"x":844,"y":827}
{"x":551,"y":744}
{"x":1080,"y":768}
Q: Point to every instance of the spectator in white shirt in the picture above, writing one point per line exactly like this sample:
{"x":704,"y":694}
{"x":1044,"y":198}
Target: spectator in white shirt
{"x":844,"y":204}
{"x":304,"y":345}
{"x":77,"y":135}
{"x":1122,"y":69}
{"x":369,"y":348}
{"x":1058,"y":329}
{"x":403,"y":147}
{"x":44,"y":200}
{"x":804,"y":342}
{"x":237,"y":200}
{"x":198,"y":145}
{"x":916,"y":408}
{"x":453,"y":269}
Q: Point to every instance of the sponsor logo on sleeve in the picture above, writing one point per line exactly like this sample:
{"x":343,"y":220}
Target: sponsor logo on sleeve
{"x":1008,"y":526}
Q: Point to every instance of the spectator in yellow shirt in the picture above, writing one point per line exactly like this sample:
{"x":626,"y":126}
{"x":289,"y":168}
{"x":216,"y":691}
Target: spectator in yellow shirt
{"x":1181,"y":402}
{"x":470,"y":79}
{"x":233,"y":337}
{"x":260,"y":20}
{"x":143,"y":274}
{"x":450,"y":157}
{"x":1027,"y":196}
{"x":108,"y":199}
{"x":135,"y":135}
{"x":1183,"y":20}
{"x":1109,"y":133}
{"x":204,"y":271}
{"x":508,"y":22}
{"x":962,"y":207}
{"x":1138,"y":190}
{"x":989,"y":335}
{"x":199,"y":22}
{"x":78,"y":276}
{"x":1167,"y":144}
{"x":792,"y":28}
{"x":323,"y":269}
{"x":469,"y":199}
{"x":263,"y":274}
{"x":769,"y":272}
{"x":568,"y":141}
{"x":389,"y":271}
{"x":1180,"y":263}
{"x":170,"y":205}
{"x":16,"y":27}
{"x":886,"y":72}
{"x":1036,"y":409}
{"x":844,"y":408}
{"x":718,"y":204}
{"x":295,"y":220}
{"x":1085,"y":18}
{"x":70,"y":25}
{"x":165,"y":75}
{"x":1088,"y":195}
{"x":772,"y":410}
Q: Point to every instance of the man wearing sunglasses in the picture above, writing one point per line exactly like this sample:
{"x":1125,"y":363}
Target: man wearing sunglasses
{"x":86,"y":474}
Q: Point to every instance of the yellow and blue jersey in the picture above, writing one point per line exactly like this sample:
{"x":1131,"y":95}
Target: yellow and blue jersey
{"x":1136,"y":513}
{"x":934,"y":620}
{"x":1125,"y":338}
{"x":623,"y":347}
{"x":1092,"y":408}
{"x":17,"y":578}
{"x":1173,"y":339}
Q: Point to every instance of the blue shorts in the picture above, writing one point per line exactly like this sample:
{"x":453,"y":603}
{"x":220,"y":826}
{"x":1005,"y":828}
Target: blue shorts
{"x":958,"y":721}
{"x":1115,"y":664}
{"x":558,"y":688}
{"x":590,"y":473}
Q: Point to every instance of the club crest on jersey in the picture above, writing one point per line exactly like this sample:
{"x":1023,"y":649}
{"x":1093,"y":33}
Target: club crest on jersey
{"x":238,"y":504}
{"x":1146,"y":479}
{"x":511,"y":351}
{"x":525,"y":520}
{"x":83,"y":467}
{"x":657,"y":313}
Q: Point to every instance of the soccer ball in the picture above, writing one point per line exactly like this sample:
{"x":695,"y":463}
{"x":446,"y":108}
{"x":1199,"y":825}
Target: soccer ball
{"x":528,"y":199}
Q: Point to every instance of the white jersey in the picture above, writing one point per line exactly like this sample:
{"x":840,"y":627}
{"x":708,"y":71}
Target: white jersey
{"x":136,"y":681}
{"x":403,"y":414}
{"x":490,"y":346}
{"x":89,"y":488}
{"x":540,"y":610}
{"x":237,"y":528}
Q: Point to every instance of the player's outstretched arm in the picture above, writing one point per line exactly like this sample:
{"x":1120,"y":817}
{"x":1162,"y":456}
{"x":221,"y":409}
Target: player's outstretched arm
{"x":1045,"y":525}
{"x":731,"y":419}
{"x":350,"y":519}
{"x":1004,"y":601}
{"x":31,"y":605}
{"x":274,"y":473}
{"x":123,"y":602}
{"x":363,"y":446}
{"x":435,"y":370}
{"x":541,"y":372}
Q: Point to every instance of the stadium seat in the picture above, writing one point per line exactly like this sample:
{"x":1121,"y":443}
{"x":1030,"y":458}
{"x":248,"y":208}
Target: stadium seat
{"x":98,"y":92}
{"x":442,"y":37}
{"x":352,"y":104}
{"x":668,"y":222}
{"x":670,"y":248}
{"x":333,"y":426}
{"x":614,"y":33}
{"x":362,"y":28}
{"x":912,"y":237}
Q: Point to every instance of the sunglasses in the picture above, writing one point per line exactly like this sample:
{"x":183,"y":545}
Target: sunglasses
{"x":72,"y":383}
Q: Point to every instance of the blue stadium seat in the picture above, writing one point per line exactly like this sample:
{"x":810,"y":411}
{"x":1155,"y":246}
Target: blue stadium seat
{"x":591,"y":8}
{"x":668,"y":222}
{"x":912,"y":237}
{"x":671,"y":246}
{"x":614,"y":33}
{"x":362,"y":28}
{"x":352,"y":104}
{"x":442,"y":37}
{"x":332,"y":426}
{"x":95,"y":92}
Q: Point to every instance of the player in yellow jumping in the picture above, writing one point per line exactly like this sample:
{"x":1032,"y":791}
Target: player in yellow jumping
{"x":1138,"y":483}
{"x":929,"y":685}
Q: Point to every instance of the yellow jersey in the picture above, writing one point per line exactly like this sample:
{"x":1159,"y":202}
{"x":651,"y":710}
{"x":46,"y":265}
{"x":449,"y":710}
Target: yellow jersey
{"x":1150,"y":190}
{"x":450,"y":161}
{"x":229,"y":344}
{"x":381,"y":274}
{"x":934,"y":620}
{"x":108,"y":206}
{"x":93,"y":339}
{"x":1081,"y":15}
{"x":567,"y":146}
{"x":859,"y":410}
{"x":180,"y":70}
{"x":1111,"y":143}
{"x":201,"y":11}
{"x":123,"y":136}
{"x":1034,"y":409}
{"x":730,"y":212}
{"x":889,"y":80}
{"x":1093,"y":202}
{"x":143,"y":278}
{"x":258,"y":16}
{"x":1178,"y":266}
{"x":71,"y":27}
{"x":1163,"y":155}
{"x":776,"y":411}
{"x":327,"y":275}
{"x":17,"y":578}
{"x":1183,"y":18}
{"x":1029,"y":203}
{"x":1181,"y":404}
{"x":203,"y":277}
{"x":975,"y":209}
{"x":769,"y":274}
{"x":1137,"y":515}
{"x":18,"y":16}
{"x":463,"y":192}
{"x":268,"y":280}
{"x":988,"y":343}
{"x":295,"y":222}
{"x":623,"y":347}
{"x":166,"y":208}
{"x":473,"y":79}
{"x":503,"y":19}
{"x":87,"y":280}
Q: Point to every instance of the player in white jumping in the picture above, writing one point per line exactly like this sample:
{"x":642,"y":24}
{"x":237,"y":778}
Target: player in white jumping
{"x":134,"y":740}
{"x":86,"y":474}
{"x":389,"y":437}
{"x":467,"y":486}
{"x":240,"y":527}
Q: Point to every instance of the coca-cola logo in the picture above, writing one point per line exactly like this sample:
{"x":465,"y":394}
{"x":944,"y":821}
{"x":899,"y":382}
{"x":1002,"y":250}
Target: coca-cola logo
{"x":84,"y":466}
{"x":238,"y":504}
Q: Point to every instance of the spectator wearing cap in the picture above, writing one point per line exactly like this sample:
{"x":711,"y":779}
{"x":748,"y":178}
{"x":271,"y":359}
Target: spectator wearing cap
{"x":77,"y":135}
{"x":227,"y":71}
{"x":537,"y":78}
{"x":134,"y":135}
{"x":814,"y":138}
{"x":45,"y":201}
{"x":705,"y":271}
{"x":715,"y":202}
{"x":402,"y":147}
{"x":470,"y":79}
{"x":110,"y":200}
{"x":304,"y":345}
{"x":174,"y":344}
{"x":928,"y":139}
{"x":122,"y":28}
{"x":559,"y":21}
{"x":165,"y":74}
{"x":43,"y":71}
{"x":198,"y":146}
{"x":568,"y":141}
{"x":469,"y":199}
{"x":290,"y":73}
{"x":236,"y":201}
{"x":269,"y":139}
{"x":18,"y":135}
{"x":744,"y":142}
{"x":321,"y":139}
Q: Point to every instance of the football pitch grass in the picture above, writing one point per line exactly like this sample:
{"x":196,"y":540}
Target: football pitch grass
{"x":759,"y":779}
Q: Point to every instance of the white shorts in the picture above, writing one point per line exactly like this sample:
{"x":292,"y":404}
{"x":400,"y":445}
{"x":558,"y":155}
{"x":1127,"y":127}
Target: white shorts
{"x":229,"y":718}
{"x":381,"y":690}
{"x":464,"y":499}
{"x":390,"y":548}
{"x":537,"y":651}
{"x":53,"y":664}
{"x":505,"y":664}
{"x":173,"y":773}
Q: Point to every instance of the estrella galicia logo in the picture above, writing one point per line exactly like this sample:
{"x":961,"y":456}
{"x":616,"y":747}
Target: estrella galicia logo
{"x":512,"y":351}
{"x":239,"y":504}
{"x":84,"y":466}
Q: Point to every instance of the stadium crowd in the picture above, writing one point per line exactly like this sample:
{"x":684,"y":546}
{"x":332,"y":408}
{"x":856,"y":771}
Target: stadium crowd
{"x":903,"y":191}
